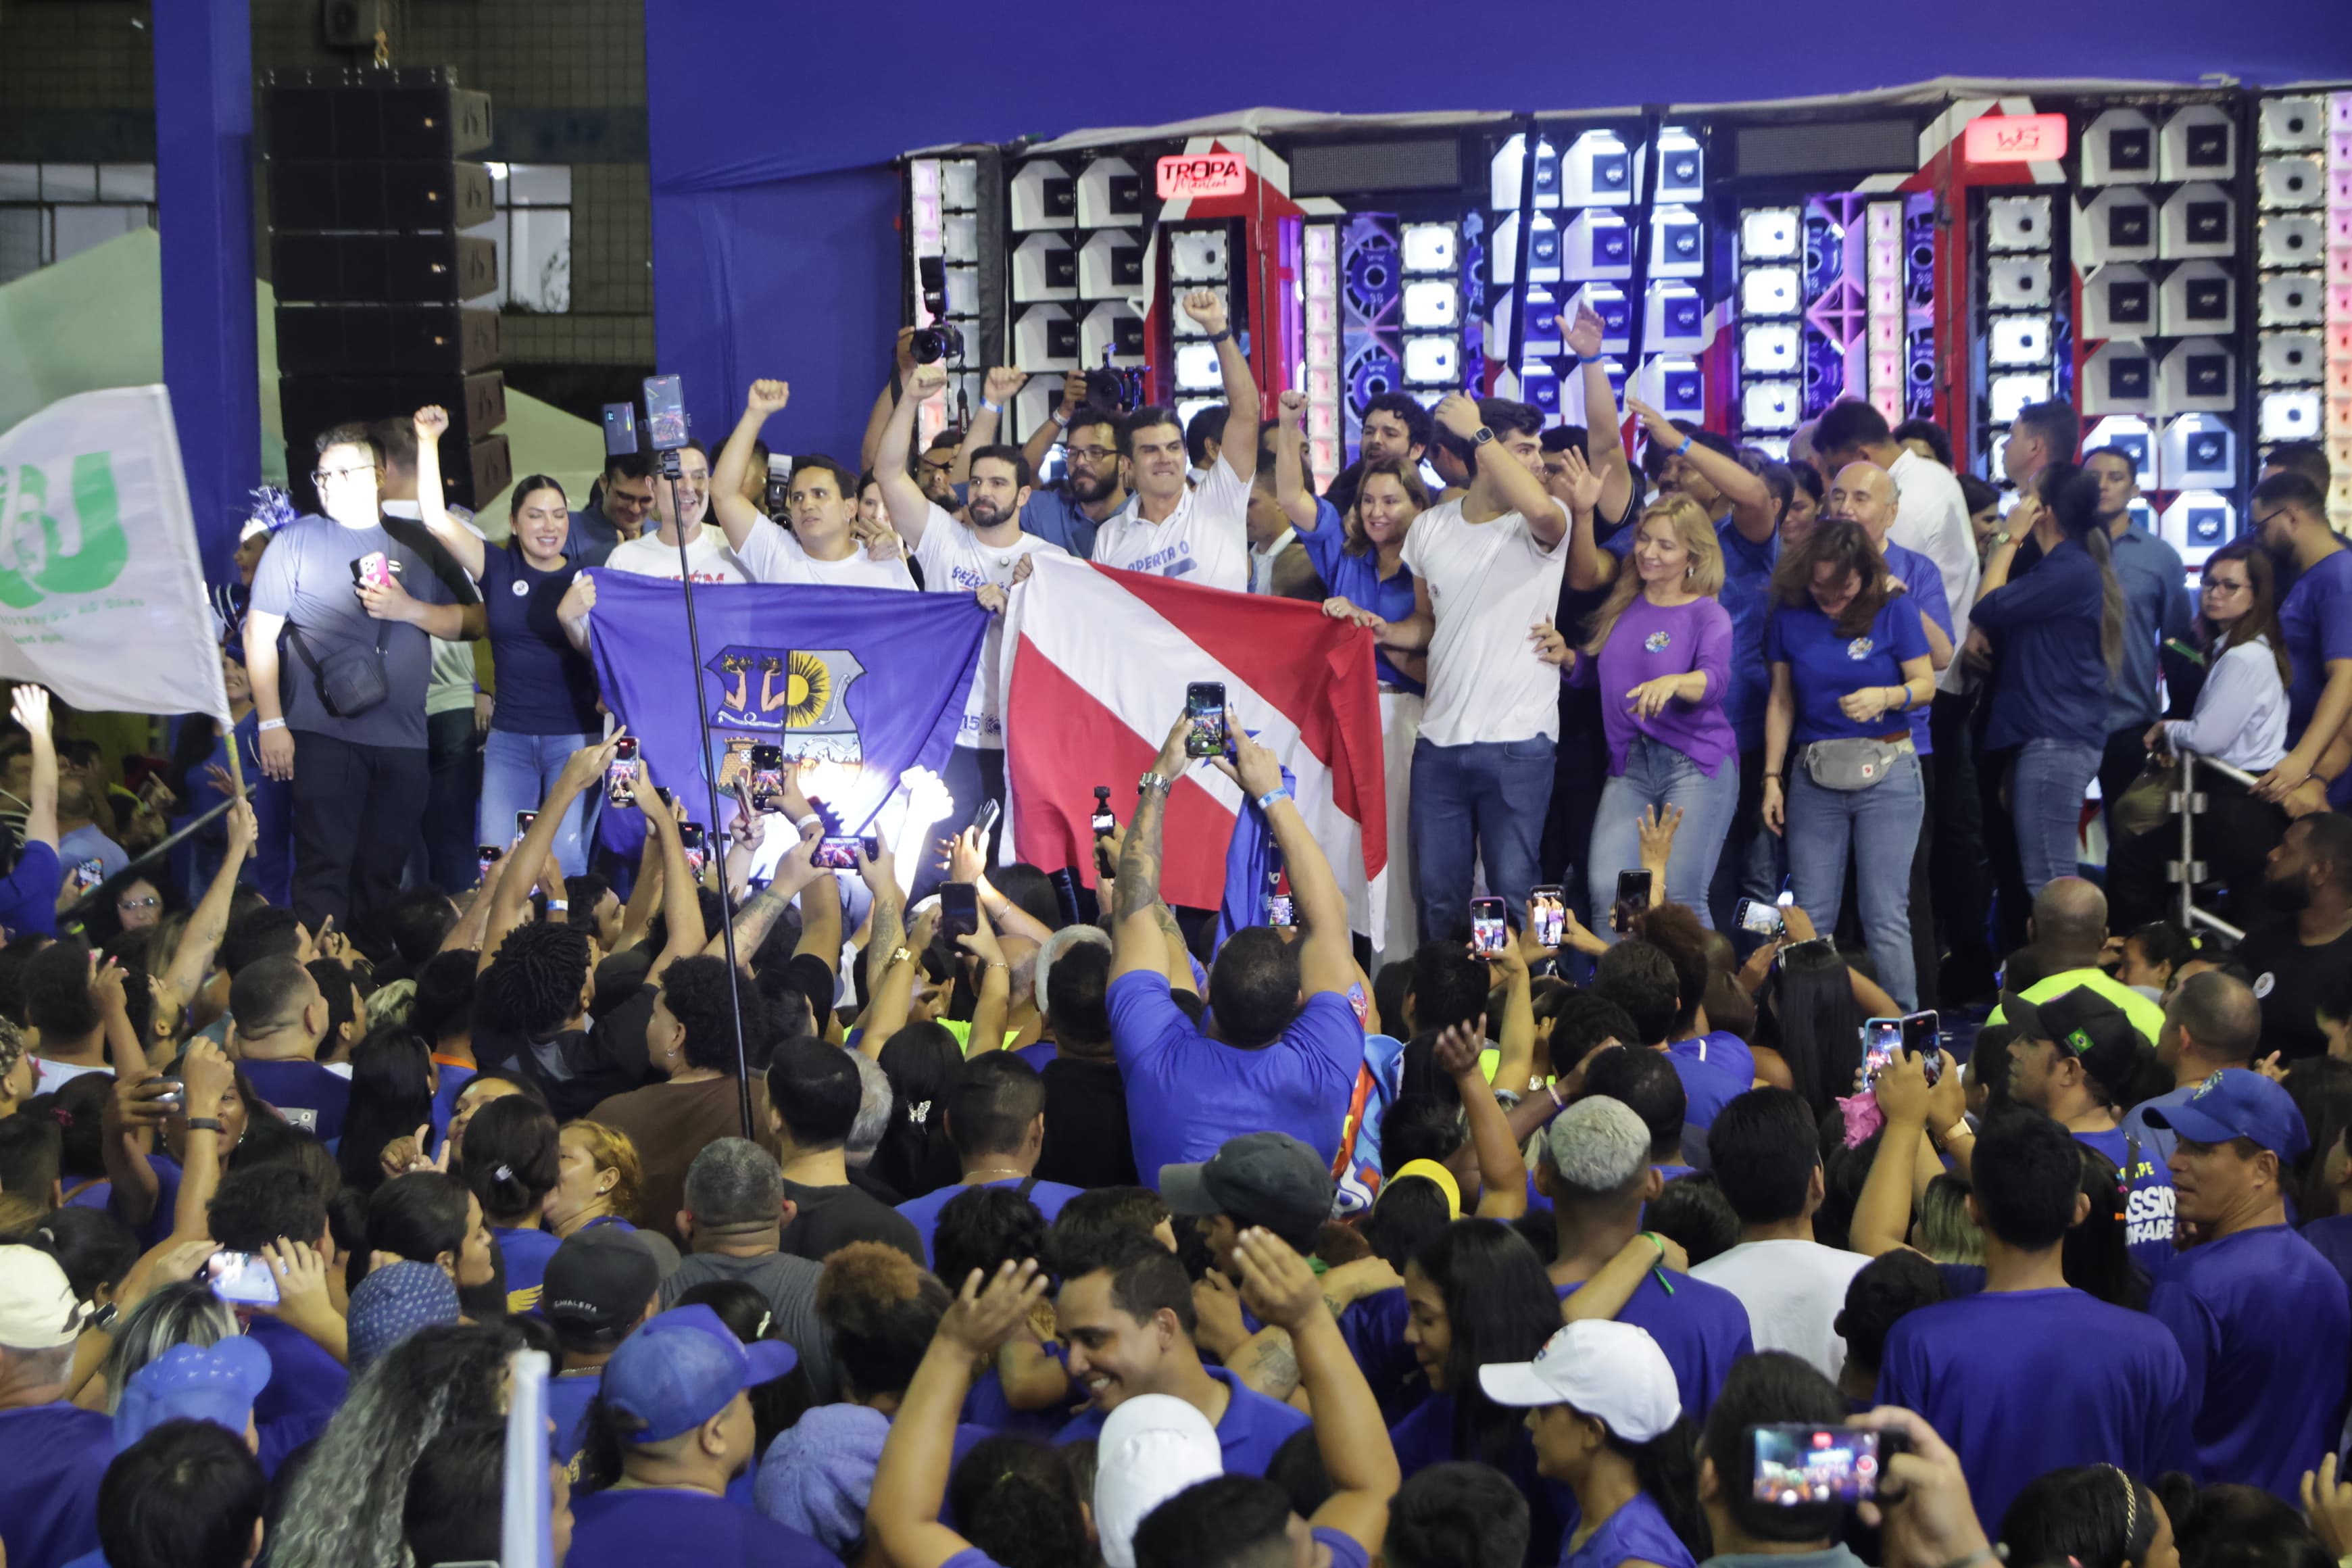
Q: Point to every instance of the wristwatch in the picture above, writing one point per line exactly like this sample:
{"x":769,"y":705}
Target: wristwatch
{"x":1151,"y":780}
{"x":899,"y":955}
{"x":207,"y":1124}
{"x":1482,"y":437}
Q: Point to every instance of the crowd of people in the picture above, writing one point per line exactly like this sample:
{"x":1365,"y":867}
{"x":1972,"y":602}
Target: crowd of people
{"x":1656,"y":1231}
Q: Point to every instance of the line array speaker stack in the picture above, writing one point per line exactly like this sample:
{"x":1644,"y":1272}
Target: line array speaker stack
{"x":369,"y":190}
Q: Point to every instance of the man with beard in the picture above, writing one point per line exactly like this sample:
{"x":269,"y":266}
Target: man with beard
{"x":1095,"y":489}
{"x":984,"y":553}
{"x":2293,"y":956}
{"x":1394,"y":426}
{"x":2290,"y":518}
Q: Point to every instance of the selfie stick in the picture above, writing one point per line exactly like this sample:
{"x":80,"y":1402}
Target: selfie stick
{"x":673,"y":469}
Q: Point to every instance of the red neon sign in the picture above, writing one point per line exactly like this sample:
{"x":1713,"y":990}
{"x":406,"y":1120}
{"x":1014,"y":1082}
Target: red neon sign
{"x":1203,"y":174}
{"x":2015,"y":139}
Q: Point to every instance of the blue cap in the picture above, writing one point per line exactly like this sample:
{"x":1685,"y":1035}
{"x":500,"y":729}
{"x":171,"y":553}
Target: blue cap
{"x":683,"y":1368}
{"x":2238,"y":1103}
{"x":394,"y":1303}
{"x":189,"y":1383}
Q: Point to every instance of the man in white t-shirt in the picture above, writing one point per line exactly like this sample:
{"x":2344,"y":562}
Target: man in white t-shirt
{"x":821,"y":544}
{"x":984,"y":553}
{"x":1486,"y":573}
{"x":656,"y":555}
{"x":1165,"y":529}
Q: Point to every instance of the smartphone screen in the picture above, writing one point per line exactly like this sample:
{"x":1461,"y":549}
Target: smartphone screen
{"x":767,"y":778}
{"x":523,"y":819}
{"x":1550,"y":905}
{"x":1632,"y":899}
{"x":959,"y":909}
{"x":241,"y":1278}
{"x":88,"y":874}
{"x":1921,"y":1040}
{"x":620,"y":429}
{"x":621,"y":775}
{"x":1881,"y":1042}
{"x":1204,"y":705}
{"x":1795,"y":1464}
{"x":664,"y":412}
{"x":1280,"y":910}
{"x":1103,"y":821}
{"x":983,"y":821}
{"x":835,"y":852}
{"x":690,"y":838}
{"x":485,"y":857}
{"x":1757,"y":918}
{"x":1490,"y":927}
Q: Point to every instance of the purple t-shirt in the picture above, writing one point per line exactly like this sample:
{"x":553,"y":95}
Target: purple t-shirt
{"x":1702,"y":1328}
{"x":923,"y":1213}
{"x":1249,"y":1432}
{"x":1648,"y":642}
{"x":2263,"y":1323}
{"x":2106,"y":1386}
{"x":656,"y":1527}
{"x":1187,"y":1094}
{"x":1637,"y":1533}
{"x":306,"y":1094}
{"x":2332,"y":1237}
{"x":52,"y":1458}
{"x":1346,"y":1551}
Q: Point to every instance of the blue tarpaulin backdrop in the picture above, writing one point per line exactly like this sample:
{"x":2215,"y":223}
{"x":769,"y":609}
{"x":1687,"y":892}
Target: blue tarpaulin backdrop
{"x":773,"y":120}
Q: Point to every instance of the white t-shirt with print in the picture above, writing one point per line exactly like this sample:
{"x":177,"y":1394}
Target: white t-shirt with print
{"x":1204,"y":541}
{"x":954,"y":560}
{"x":1488,"y":583}
{"x":773,"y":553}
{"x":707,"y":556}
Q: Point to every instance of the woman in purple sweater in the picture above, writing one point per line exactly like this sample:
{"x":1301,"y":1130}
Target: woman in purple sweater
{"x":1660,"y":651}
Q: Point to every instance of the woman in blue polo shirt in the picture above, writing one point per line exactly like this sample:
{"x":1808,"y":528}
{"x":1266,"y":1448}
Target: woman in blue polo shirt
{"x":1841,"y":777}
{"x":2060,"y":631}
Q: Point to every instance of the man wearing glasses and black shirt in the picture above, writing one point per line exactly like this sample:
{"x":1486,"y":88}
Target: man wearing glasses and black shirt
{"x":337,"y":645}
{"x":619,"y":512}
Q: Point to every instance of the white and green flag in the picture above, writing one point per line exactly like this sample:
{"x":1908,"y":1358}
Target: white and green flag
{"x":102,"y":592}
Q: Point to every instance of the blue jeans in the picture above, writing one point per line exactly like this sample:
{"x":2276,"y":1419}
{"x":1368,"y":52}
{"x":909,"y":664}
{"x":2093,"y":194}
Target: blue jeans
{"x":1880,"y":826}
{"x":1658,"y":775}
{"x":2046,"y":786}
{"x":1487,"y":799}
{"x":515,"y":773}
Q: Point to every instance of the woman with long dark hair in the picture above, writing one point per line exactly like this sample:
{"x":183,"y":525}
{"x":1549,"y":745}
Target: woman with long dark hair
{"x":1817,"y":1021}
{"x":512,"y":1163}
{"x":2061,"y":634}
{"x":428,"y":1216}
{"x":1842,"y":777}
{"x":924,"y":1064}
{"x":2092,"y":1516}
{"x":1619,"y":1441}
{"x":2239,"y":718}
{"x":1477,"y":1295}
{"x":392,"y":1097}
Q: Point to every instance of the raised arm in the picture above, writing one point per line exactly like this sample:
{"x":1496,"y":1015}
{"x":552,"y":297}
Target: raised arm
{"x":1502,"y":1175}
{"x":998,"y":388}
{"x":994,"y":991}
{"x":1882,"y":1214}
{"x":902,"y":364}
{"x":200,"y":939}
{"x":909,"y":507}
{"x":1358,"y":1458}
{"x":1579,"y":490}
{"x":737,"y":516}
{"x":31,"y":705}
{"x":1522,"y":486}
{"x":1753,"y":512}
{"x":1327,"y":958}
{"x":464,"y":546}
{"x":1240,"y":453}
{"x":760,"y":912}
{"x":681,"y":894}
{"x":1604,"y":439}
{"x":1041,"y":440}
{"x":1290,"y":486}
{"x":889,"y":964}
{"x":582,"y":771}
{"x":1135,"y":940}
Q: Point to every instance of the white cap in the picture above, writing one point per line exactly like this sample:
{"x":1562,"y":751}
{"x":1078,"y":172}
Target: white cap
{"x":1613,"y":1372}
{"x":1152,"y":1446}
{"x":1597,"y":1144}
{"x":38,"y":1309}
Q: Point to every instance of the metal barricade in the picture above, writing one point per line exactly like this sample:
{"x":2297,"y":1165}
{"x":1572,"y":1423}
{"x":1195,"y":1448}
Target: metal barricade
{"x":2187,"y":800}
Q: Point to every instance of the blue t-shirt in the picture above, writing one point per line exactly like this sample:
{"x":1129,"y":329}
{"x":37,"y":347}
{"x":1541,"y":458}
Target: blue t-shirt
{"x":2332,"y":1239}
{"x":1357,"y":580}
{"x":1374,"y":1330}
{"x":1637,"y":1533}
{"x":1702,"y":1328}
{"x":660,"y":1527}
{"x":1053,"y":515}
{"x":525,"y":1252}
{"x":1707,"y":1087}
{"x":306,"y":1094}
{"x":1346,"y":1551}
{"x":1037,"y":1053}
{"x":923,"y":1213}
{"x":167,"y":1198}
{"x":1187,"y":1094}
{"x":307,"y":1383}
{"x":569,"y":1394}
{"x":452,"y":1081}
{"x":2315,"y":620}
{"x":1923,"y":586}
{"x":546,"y":686}
{"x":28,"y":897}
{"x":2051,"y":682}
{"x":2147,"y":1211}
{"x":1824,"y":665}
{"x":1425,"y":1437}
{"x":52,"y":1458}
{"x":1249,"y":1432}
{"x":1724,"y":1052}
{"x":1746,"y":594}
{"x":2106,"y":1385}
{"x":987,"y":1407}
{"x":2263,"y":1323}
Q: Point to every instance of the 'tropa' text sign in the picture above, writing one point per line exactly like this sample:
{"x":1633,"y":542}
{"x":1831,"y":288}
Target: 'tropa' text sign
{"x":1203,"y":174}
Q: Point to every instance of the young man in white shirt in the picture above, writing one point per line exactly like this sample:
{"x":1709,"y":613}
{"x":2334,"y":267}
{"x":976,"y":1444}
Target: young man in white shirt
{"x":820,"y":545}
{"x":983,"y":554}
{"x":1165,"y":529}
{"x":1487,"y":574}
{"x":656,"y":555}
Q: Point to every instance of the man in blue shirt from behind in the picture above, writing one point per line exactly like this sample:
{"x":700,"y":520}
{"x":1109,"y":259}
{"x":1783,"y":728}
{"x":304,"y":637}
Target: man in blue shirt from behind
{"x":2261,"y":1318}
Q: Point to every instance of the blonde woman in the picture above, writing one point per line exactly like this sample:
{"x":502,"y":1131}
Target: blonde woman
{"x":1661,"y":654}
{"x":598,"y":1179}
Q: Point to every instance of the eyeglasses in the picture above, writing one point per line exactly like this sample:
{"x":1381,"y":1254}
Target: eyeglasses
{"x":2262,"y":519}
{"x":321,"y":475}
{"x":2215,"y":587}
{"x":1093,"y":454}
{"x":146,"y":904}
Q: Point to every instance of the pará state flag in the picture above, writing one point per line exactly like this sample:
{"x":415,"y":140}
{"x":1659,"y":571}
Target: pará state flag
{"x":866,"y":682}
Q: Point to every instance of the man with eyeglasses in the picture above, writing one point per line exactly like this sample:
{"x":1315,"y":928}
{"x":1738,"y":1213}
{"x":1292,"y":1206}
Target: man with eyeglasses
{"x":339,"y":648}
{"x":2290,"y":518}
{"x":1094,"y":489}
{"x":618,"y":512}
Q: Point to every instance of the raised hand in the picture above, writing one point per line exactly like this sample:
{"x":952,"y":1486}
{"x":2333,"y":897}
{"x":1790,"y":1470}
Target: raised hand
{"x":978,"y":1321}
{"x":1656,"y":832}
{"x":927,"y":381}
{"x":1585,"y":334}
{"x":1457,"y":415}
{"x":1277,"y":1284}
{"x":1654,"y":425}
{"x":431,"y":421}
{"x":1294,"y":409}
{"x":584,"y":767}
{"x":1258,"y":770}
{"x":1074,"y":392}
{"x":880,"y":871}
{"x":1003,"y":383}
{"x":1204,"y":306}
{"x":1578,"y":487}
{"x":768,"y":397}
{"x":30,"y":704}
{"x":1457,"y":1049}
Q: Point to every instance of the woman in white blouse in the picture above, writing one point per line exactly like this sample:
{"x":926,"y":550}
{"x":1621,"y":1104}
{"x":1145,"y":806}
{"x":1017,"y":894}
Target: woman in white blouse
{"x":2239,"y":718}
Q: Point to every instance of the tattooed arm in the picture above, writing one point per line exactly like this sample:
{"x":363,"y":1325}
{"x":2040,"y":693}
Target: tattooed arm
{"x":1180,"y":954}
{"x":1137,"y":943}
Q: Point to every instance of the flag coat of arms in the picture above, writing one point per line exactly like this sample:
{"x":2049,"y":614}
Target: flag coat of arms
{"x":1098,"y":661}
{"x":871,"y":678}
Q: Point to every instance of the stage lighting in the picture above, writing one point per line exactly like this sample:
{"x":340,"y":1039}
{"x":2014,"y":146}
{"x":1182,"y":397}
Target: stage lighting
{"x":2119,"y":149}
{"x":1770,"y":234}
{"x":2198,"y":297}
{"x":2118,"y":226}
{"x":2197,"y":221}
{"x":1682,"y":167}
{"x":1431,"y":305}
{"x":2018,"y":283}
{"x":2016,"y":223}
{"x":1433,"y":361}
{"x":2290,"y":359}
{"x":1771,"y":349}
{"x":1770,"y":291}
{"x":2292,"y":299}
{"x":2197,"y":523}
{"x":2009,"y":394}
{"x":1770,"y":405}
{"x":2197,"y":375}
{"x":1429,"y":247}
{"x":2292,"y":416}
{"x":2012,"y":340}
{"x":1196,"y":367}
{"x":2199,"y":142}
{"x":2125,"y":433}
{"x":2197,"y":451}
{"x":2291,"y":240}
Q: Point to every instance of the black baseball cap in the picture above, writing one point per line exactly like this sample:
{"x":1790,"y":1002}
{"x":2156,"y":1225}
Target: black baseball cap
{"x":1268,"y":1179}
{"x":2085,"y":1025}
{"x":598,"y":1283}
